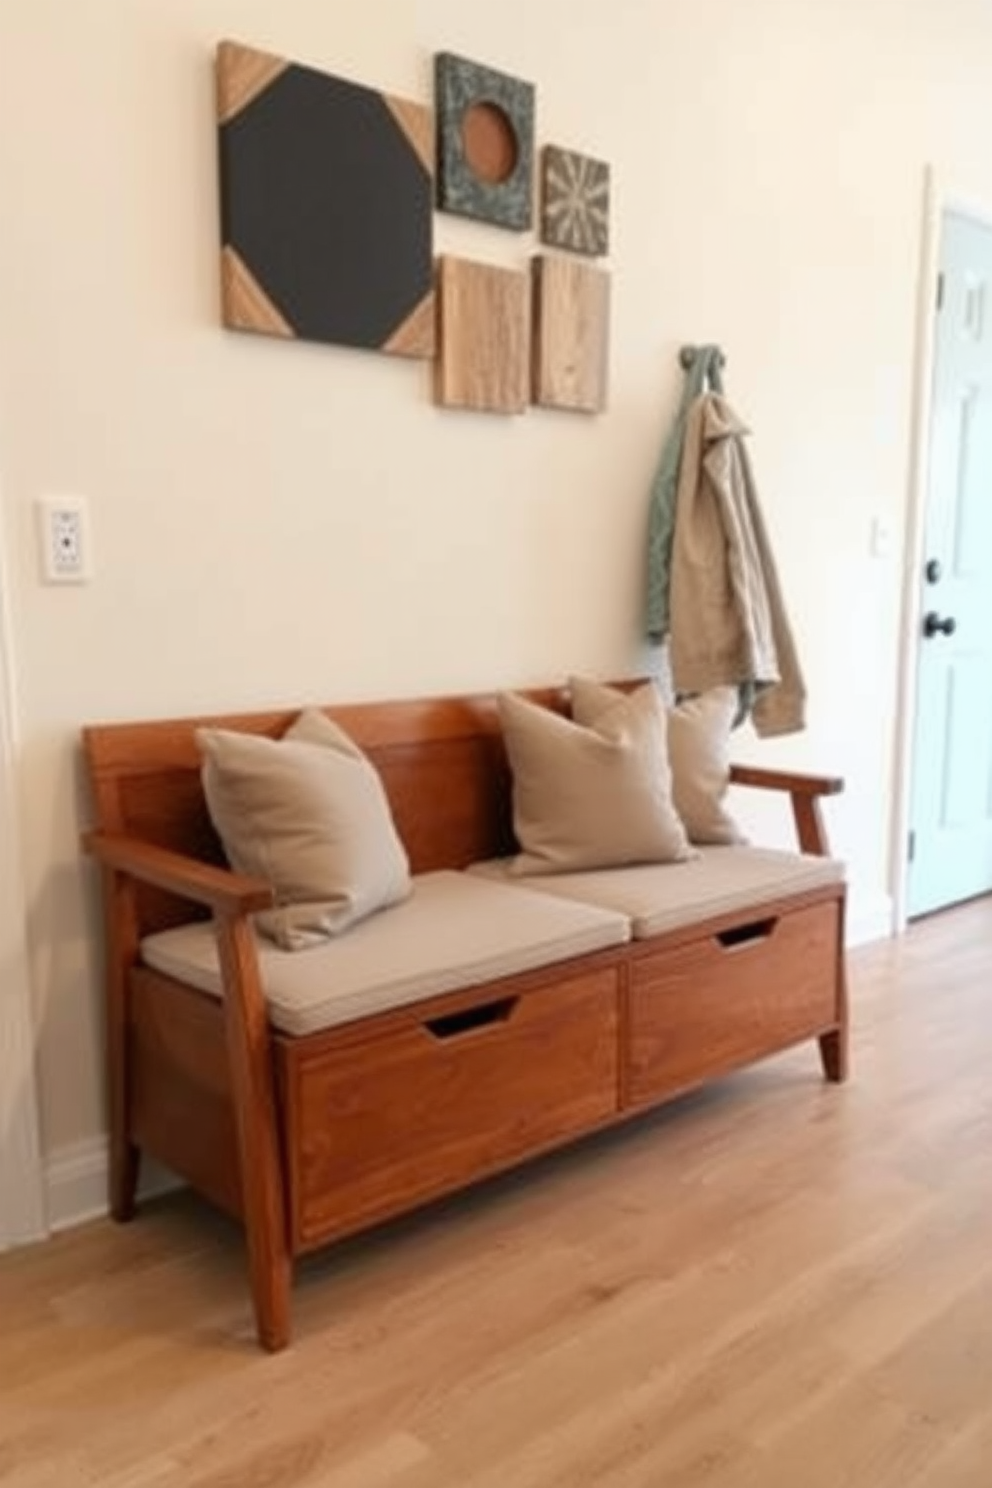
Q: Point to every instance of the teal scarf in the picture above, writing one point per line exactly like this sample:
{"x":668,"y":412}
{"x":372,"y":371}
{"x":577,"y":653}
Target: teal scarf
{"x":702,"y":373}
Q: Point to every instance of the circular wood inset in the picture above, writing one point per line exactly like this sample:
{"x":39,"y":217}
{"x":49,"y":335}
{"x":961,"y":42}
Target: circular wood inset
{"x":490,"y":142}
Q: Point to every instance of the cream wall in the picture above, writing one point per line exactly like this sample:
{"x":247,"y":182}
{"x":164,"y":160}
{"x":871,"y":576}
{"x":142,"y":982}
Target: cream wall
{"x":278,"y":523}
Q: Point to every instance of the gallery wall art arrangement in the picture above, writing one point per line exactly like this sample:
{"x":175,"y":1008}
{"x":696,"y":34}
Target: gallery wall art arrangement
{"x":328,"y":190}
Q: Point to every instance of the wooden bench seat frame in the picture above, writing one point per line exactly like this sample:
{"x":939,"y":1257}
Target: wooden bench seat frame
{"x":206,"y":1085}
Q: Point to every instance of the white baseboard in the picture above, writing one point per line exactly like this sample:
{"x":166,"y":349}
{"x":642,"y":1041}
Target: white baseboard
{"x":22,"y":1207}
{"x":76,"y":1183}
{"x":869,"y":918}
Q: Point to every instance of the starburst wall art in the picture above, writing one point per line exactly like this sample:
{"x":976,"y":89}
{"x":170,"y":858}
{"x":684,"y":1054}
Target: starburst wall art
{"x":575,"y":201}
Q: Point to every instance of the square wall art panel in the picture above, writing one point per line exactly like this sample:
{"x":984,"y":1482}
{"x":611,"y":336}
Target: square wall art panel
{"x":571,"y":302}
{"x":326,"y":197}
{"x":485,"y":146}
{"x":483,"y":357}
{"x":575,"y":201}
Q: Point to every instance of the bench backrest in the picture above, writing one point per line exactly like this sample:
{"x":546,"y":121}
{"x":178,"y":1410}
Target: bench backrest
{"x":442,"y":762}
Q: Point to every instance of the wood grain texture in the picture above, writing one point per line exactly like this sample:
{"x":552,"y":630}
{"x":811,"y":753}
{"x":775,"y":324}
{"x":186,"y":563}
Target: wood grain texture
{"x":811,"y":829}
{"x":181,"y":1102}
{"x":835,"y":1043}
{"x":416,"y":122}
{"x":242,"y":74}
{"x":439,"y":1095}
{"x":224,"y":891}
{"x":121,"y":932}
{"x":250,"y":1065}
{"x":797,"y":782}
{"x":805,"y":791}
{"x":766,"y":1284}
{"x":417,"y":335}
{"x":571,"y":307}
{"x":484,"y":337}
{"x":488,"y":142}
{"x":245,"y":305}
{"x":718,"y":1002}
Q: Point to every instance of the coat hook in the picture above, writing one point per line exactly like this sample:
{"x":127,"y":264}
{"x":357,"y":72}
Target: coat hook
{"x":688,"y":354}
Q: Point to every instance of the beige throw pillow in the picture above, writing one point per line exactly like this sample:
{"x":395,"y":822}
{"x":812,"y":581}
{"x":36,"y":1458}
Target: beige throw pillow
{"x":307,"y":813}
{"x":699,"y":754}
{"x":590,"y":797}
{"x":698,"y":738}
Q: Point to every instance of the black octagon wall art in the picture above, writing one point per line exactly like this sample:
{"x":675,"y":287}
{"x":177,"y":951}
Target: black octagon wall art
{"x":326,"y":201}
{"x":485,"y":147}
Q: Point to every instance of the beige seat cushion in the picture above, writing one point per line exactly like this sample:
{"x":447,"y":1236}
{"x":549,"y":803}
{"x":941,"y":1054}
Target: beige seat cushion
{"x":658,"y":898}
{"x":698,"y":738}
{"x":454,"y":930}
{"x":308,"y":814}
{"x":591,"y":796}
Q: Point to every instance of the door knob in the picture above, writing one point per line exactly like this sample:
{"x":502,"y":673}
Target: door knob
{"x":934,"y":625}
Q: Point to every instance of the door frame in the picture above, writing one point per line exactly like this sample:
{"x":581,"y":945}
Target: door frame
{"x":23,"y":1212}
{"x":941,"y":194}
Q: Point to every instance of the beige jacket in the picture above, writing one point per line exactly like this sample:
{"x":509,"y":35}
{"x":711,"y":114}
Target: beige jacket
{"x":727,"y":618}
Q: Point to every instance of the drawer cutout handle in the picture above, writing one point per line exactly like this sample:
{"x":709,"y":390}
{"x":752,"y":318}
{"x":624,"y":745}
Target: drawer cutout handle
{"x":453,"y":1025}
{"x":745,"y":935}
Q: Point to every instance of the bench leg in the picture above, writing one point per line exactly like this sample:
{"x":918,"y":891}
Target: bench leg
{"x":833,"y":1054}
{"x":271,"y":1284}
{"x":835,"y":1044}
{"x":122,"y":940}
{"x":125,"y":1168}
{"x":249,"y":1055}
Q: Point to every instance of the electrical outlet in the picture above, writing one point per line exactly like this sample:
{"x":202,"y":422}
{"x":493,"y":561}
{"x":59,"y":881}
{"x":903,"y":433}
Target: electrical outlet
{"x":64,"y":537}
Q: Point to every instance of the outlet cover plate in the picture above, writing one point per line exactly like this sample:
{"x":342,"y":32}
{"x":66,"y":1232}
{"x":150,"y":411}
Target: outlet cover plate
{"x":64,"y":540}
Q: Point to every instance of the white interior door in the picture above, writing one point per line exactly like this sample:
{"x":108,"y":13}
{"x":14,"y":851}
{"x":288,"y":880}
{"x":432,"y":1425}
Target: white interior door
{"x":951,"y":803}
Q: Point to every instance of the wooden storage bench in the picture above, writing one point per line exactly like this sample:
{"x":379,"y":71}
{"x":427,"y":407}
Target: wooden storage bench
{"x":306,"y":1137}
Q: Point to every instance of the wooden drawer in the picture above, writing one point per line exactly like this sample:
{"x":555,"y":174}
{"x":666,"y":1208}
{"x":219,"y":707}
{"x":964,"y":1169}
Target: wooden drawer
{"x":426,"y":1099}
{"x":709,"y":1005}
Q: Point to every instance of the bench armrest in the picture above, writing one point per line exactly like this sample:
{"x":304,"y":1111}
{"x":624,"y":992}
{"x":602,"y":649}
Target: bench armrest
{"x":226,"y":893}
{"x":786,"y":780}
{"x":805,"y":792}
{"x":247,"y":1037}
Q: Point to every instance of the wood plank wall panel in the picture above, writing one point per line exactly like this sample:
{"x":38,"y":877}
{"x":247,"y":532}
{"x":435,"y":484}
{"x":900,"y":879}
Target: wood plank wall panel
{"x":571,"y":301}
{"x":484,"y":337}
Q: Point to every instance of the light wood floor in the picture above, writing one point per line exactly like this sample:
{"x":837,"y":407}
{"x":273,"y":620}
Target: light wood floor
{"x":773,"y":1284}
